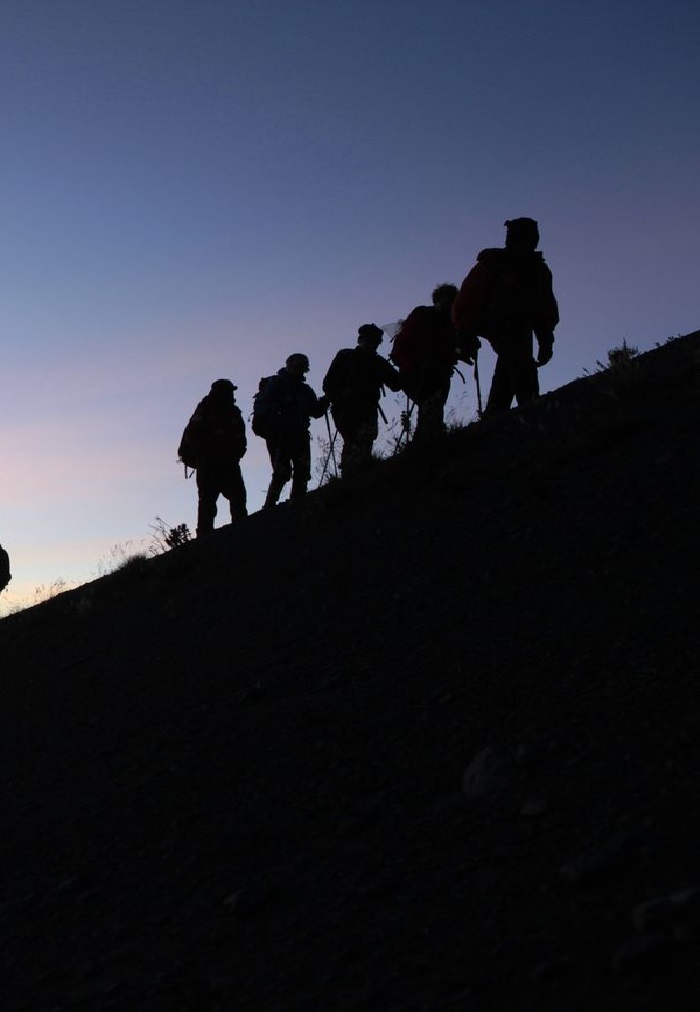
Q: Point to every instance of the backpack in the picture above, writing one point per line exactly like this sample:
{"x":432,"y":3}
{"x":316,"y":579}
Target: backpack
{"x":513,"y":292}
{"x":187,"y":451}
{"x":264,"y":409}
{"x":409,"y":344}
{"x":341,"y":376}
{"x":5,"y":575}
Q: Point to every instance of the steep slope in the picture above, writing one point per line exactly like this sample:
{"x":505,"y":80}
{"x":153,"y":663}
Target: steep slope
{"x":427,"y":741}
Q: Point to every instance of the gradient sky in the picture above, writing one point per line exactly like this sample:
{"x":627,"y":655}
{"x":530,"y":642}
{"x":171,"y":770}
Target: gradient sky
{"x":196,"y":189}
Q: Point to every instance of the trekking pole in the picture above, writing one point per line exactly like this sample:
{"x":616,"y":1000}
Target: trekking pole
{"x":478,"y":385}
{"x":331,"y":453}
{"x":405,"y":424}
{"x":332,"y":440}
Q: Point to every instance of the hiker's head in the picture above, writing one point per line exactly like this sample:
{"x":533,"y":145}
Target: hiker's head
{"x":443,"y":297}
{"x":297,"y":364}
{"x":522,"y":235}
{"x":370,"y":336}
{"x":222,"y":389}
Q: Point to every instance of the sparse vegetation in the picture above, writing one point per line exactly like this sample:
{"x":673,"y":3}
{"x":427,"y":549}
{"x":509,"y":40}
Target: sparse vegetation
{"x":165,"y":537}
{"x":118,"y":555}
{"x":619,"y":358}
{"x":326,"y":466}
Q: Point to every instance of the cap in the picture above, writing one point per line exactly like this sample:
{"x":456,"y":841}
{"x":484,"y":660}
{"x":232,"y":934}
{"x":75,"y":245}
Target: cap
{"x":370,"y":332}
{"x":523,"y":230}
{"x":221,"y":386}
{"x":298,"y":361}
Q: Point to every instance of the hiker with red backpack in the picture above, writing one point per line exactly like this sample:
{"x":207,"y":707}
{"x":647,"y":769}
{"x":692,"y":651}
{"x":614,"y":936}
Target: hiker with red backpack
{"x":425,"y":352}
{"x":354,"y":383}
{"x":214,"y":441}
{"x":506,"y":297}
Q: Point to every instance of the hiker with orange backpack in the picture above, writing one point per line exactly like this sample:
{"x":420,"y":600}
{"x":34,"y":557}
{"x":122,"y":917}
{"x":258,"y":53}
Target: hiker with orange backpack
{"x":425,"y":351}
{"x":506,"y":297}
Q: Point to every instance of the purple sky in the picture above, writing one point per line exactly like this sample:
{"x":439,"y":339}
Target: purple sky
{"x":194,"y":190}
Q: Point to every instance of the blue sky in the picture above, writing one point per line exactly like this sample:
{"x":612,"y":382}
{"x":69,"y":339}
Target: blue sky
{"x":194,"y":190}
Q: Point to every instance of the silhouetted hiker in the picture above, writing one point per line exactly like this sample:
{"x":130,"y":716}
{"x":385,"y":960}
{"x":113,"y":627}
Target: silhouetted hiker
{"x":5,"y":575}
{"x":424,"y":351}
{"x":354,"y":383}
{"x":505,"y":297}
{"x":217,"y":442}
{"x":284,"y":406}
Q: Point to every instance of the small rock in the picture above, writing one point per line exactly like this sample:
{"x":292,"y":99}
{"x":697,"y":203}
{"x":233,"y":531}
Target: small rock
{"x":488,"y":774}
{"x":643,"y":952}
{"x":534,"y":807}
{"x":629,"y":850}
{"x":529,"y":754}
{"x":248,"y":900}
{"x":680,"y":910}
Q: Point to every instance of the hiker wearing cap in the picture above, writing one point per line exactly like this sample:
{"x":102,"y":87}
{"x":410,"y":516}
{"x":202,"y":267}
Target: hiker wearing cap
{"x":354,"y":384}
{"x":506,"y":297}
{"x":216,"y":431}
{"x":425,"y":352}
{"x":283,"y":409}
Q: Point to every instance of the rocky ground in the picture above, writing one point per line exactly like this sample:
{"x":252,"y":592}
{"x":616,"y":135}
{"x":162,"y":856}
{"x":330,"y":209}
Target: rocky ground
{"x":428,"y":741}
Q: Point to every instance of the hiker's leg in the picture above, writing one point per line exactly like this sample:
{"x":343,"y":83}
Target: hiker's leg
{"x":348,"y":451}
{"x":431,"y":422}
{"x":235,"y":492}
{"x":274,"y":491}
{"x":526,"y":379}
{"x":301,"y":464}
{"x":502,"y":385}
{"x":358,"y":454}
{"x":207,"y":494}
{"x":352,"y":450}
{"x":281,"y":470}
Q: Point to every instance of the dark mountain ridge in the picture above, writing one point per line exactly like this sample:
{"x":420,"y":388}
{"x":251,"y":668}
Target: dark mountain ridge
{"x":425,"y":741}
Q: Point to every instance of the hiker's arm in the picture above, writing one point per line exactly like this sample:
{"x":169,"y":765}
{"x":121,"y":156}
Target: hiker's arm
{"x":545,"y":344}
{"x":390,"y":377}
{"x":547,"y":318}
{"x":320,"y":406}
{"x":547,"y":310}
{"x":468,"y":345}
{"x":242,"y":438}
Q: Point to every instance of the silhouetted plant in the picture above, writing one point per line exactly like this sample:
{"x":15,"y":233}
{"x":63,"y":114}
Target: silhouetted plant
{"x":326,"y":466}
{"x":619,"y":358}
{"x":165,"y":537}
{"x":45,"y":593}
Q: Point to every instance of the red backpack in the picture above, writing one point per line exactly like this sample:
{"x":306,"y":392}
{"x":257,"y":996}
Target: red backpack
{"x":412,"y":341}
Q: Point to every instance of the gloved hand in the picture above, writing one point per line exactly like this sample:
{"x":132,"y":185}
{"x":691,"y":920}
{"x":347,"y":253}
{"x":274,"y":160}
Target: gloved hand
{"x":468,"y":347}
{"x":324,"y":402}
{"x":546,"y":349}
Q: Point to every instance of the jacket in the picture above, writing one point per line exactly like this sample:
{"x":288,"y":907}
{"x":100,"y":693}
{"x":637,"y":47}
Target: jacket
{"x":355,"y":379}
{"x":217,"y":431}
{"x":292,"y":403}
{"x":506,"y":291}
